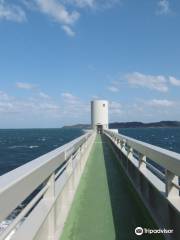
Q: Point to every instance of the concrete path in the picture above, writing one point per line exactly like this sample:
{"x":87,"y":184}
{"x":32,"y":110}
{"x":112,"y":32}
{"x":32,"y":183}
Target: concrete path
{"x":105,"y":207}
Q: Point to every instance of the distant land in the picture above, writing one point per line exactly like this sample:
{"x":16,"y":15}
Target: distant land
{"x":132,"y":125}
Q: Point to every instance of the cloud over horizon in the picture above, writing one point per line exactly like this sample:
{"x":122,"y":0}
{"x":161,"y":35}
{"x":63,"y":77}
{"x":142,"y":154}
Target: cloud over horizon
{"x":72,"y":109}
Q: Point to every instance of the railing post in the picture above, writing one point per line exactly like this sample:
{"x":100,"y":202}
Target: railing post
{"x":118,"y":142}
{"x":86,"y":140}
{"x":141,"y":163}
{"x":69,"y":168}
{"x":79,"y":152}
{"x":50,"y":196}
{"x":129,"y":155}
{"x":129,"y":152}
{"x":82,"y":148}
{"x":171,"y":190}
{"x":123,"y":144}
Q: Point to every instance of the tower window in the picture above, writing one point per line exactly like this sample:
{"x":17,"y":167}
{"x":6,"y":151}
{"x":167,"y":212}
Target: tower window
{"x":104,"y":105}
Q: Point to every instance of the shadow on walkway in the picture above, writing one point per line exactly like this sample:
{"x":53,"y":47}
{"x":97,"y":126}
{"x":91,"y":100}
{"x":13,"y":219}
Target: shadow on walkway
{"x":127,"y":209}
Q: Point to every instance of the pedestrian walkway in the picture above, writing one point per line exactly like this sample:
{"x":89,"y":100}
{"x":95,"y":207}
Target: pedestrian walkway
{"x":106,"y":207}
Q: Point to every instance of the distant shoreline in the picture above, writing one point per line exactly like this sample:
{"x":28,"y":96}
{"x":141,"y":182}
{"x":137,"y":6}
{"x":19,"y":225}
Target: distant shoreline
{"x":118,"y":125}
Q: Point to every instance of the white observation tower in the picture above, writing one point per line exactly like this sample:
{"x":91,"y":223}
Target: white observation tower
{"x":99,"y":115}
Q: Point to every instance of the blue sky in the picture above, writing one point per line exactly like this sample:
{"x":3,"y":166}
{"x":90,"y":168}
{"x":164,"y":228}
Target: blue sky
{"x":57,"y":55}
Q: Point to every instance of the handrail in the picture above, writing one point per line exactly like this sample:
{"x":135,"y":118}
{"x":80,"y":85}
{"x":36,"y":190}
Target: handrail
{"x":18,"y":184}
{"x":168,"y":160}
{"x":23,"y":213}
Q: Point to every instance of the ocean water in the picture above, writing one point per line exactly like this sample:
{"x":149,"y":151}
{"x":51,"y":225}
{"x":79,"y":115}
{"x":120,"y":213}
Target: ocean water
{"x":168,"y":138}
{"x":20,"y":146}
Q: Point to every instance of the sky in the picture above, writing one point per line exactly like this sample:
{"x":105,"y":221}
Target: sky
{"x":58,"y":55}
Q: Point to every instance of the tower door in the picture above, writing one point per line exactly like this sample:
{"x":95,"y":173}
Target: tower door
{"x":99,"y":129}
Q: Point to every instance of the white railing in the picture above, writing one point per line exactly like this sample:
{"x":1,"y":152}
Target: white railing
{"x":46,"y":177}
{"x":145,"y":158}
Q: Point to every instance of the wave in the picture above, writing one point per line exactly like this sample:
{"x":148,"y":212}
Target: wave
{"x":17,"y":146}
{"x":23,"y":146}
{"x":43,"y":139}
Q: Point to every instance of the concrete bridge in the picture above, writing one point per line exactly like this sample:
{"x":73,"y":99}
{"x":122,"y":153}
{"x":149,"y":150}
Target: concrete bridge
{"x":102,"y":185}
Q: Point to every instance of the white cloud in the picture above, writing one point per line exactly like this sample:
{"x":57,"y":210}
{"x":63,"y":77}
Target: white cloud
{"x":82,"y":3}
{"x":115,"y":86}
{"x":9,"y":104}
{"x":174,"y":81}
{"x":163,"y":7}
{"x":34,"y":88}
{"x":53,"y":8}
{"x":48,"y":106}
{"x":70,"y":98}
{"x":106,"y":4}
{"x":44,"y":95}
{"x":74,"y":107}
{"x":161,"y":103}
{"x":113,"y":89}
{"x":11,"y":12}
{"x":145,"y":110}
{"x":158,"y":83}
{"x":4,"y":96}
{"x":6,"y":103}
{"x":57,"y":11}
{"x":6,"y":107}
{"x":65,"y":12}
{"x":67,"y":95}
{"x":115,"y":108}
{"x":93,"y":4}
{"x":68,"y":31}
{"x":25,"y":85}
{"x":95,"y":97}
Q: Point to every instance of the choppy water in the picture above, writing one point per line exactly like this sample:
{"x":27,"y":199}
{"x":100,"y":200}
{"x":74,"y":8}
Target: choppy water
{"x":20,"y":146}
{"x":168,"y":138}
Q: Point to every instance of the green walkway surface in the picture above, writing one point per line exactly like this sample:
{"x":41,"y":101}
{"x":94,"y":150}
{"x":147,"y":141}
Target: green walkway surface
{"x":106,"y":206}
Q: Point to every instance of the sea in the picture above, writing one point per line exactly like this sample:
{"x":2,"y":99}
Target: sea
{"x":168,"y":138}
{"x":19,"y":146}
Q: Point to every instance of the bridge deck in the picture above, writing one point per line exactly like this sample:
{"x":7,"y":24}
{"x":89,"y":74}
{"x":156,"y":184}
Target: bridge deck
{"x":105,"y":205}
